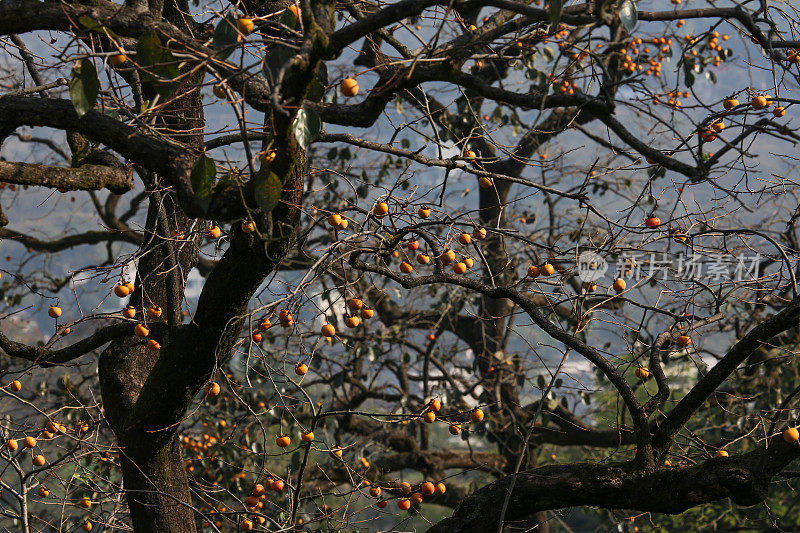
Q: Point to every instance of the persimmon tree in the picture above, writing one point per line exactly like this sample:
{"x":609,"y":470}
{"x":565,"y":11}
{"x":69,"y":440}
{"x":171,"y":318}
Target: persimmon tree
{"x":459,"y":266}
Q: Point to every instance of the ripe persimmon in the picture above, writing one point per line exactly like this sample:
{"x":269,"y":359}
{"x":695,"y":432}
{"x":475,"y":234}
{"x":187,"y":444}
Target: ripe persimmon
{"x":367,"y":313}
{"x":355,"y":304}
{"x":213,"y":389}
{"x":447,"y":257}
{"x":381,"y":504}
{"x":39,"y":460}
{"x":15,"y":385}
{"x":12,"y":445}
{"x":459,"y":268}
{"x":547,"y":269}
{"x":642,"y":373}
{"x":413,"y":245}
{"x":117,"y":60}
{"x":335,"y":452}
{"x":479,"y":234}
{"x":283,"y":441}
{"x":375,"y":492}
{"x":464,"y":238}
{"x":429,"y":417}
{"x":141,"y":331}
{"x":729,"y":103}
{"x":759,"y":102}
{"x":533,"y":271}
{"x":352,"y":321}
{"x":405,"y":487}
{"x":328,"y":330}
{"x":476,"y":415}
{"x":277,"y":485}
{"x":29,"y":442}
{"x":424,"y":212}
{"x":683,"y":341}
{"x":129,"y":312}
{"x":349,"y":87}
{"x":307,"y":436}
{"x":301,"y":369}
{"x":153,"y":345}
{"x":54,"y":311}
{"x":122,"y":290}
{"x":381,"y":209}
{"x":43,"y":492}
{"x":213,"y":232}
{"x":721,"y":453}
{"x":454,"y":429}
{"x":258,"y":490}
{"x":620,"y":285}
{"x":248,"y":226}
{"x":406,"y":267}
{"x":469,"y":155}
{"x":441,"y":488}
{"x":485,"y":182}
{"x":245,"y":26}
{"x":652,"y":222}
{"x":154,"y":311}
{"x":246,"y":524}
{"x":404,"y":504}
{"x":791,"y":435}
{"x":423,"y":259}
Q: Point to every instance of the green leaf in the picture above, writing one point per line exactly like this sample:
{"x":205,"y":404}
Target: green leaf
{"x":547,"y":53}
{"x":288,"y":19}
{"x":628,"y":14}
{"x":160,"y":65}
{"x":83,"y":86}
{"x":315,"y":91}
{"x":92,"y":25}
{"x":268,"y":191}
{"x":555,"y":11}
{"x":226,"y":36}
{"x":306,"y":127}
{"x":275,"y":59}
{"x":204,"y":173}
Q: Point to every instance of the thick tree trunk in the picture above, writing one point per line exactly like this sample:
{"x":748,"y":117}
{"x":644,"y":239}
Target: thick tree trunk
{"x":157,"y":489}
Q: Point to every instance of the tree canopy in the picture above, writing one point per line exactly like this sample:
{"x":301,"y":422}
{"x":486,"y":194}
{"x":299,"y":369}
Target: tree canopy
{"x":462,"y":266}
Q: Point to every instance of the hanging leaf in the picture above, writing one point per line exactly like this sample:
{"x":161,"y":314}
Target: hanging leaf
{"x":83,"y":86}
{"x":288,"y":19}
{"x":306,"y":127}
{"x":160,"y":65}
{"x":555,"y":11}
{"x":315,"y":91}
{"x":547,"y":53}
{"x":268,"y":191}
{"x":204,"y":173}
{"x":275,"y":59}
{"x":628,"y":14}
{"x":92,"y":25}
{"x":225,"y":37}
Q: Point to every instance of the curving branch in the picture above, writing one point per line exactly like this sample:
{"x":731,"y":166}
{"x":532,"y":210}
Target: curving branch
{"x":46,"y":357}
{"x":744,"y":479}
{"x":83,"y":178}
